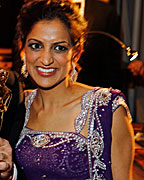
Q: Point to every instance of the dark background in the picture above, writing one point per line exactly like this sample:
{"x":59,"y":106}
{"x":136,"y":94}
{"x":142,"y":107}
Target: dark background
{"x":9,"y":10}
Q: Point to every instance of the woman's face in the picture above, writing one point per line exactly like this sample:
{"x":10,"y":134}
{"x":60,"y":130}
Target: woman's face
{"x":48,"y":52}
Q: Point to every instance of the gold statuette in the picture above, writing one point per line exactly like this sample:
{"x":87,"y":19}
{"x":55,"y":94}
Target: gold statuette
{"x":5,"y":94}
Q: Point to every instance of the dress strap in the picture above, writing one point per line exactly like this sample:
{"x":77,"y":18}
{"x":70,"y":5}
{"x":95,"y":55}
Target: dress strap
{"x":29,"y":100}
{"x":82,"y":118}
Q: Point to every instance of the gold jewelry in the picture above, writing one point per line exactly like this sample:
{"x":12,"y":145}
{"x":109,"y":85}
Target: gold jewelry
{"x":24,"y":71}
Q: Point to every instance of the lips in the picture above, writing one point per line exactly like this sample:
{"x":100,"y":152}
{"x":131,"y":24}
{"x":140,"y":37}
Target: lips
{"x":46,"y":71}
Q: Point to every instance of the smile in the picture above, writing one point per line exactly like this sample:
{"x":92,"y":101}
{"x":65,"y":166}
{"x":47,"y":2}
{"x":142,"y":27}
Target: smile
{"x":46,"y":70}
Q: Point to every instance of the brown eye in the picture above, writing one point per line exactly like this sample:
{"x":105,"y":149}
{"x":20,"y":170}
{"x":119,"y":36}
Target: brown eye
{"x":60,"y":48}
{"x":35,"y":46}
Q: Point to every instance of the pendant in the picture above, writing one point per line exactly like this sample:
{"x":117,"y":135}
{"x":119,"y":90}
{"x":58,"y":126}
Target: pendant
{"x":40,"y":140}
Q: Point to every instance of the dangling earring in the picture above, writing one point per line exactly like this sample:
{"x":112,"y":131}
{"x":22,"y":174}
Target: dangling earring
{"x":24,"y":71}
{"x":74,"y":73}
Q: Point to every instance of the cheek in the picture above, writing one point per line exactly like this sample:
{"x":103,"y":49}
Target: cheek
{"x":63,"y":59}
{"x":30,"y":61}
{"x":31,"y":57}
{"x":64,"y":62}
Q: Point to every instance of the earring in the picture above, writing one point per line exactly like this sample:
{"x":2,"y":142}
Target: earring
{"x":74,"y":73}
{"x":24,"y":71}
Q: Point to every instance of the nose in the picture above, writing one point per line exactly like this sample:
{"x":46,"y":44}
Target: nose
{"x":46,"y":57}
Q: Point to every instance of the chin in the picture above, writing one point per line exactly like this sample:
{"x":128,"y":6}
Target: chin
{"x":44,"y":86}
{"x":50,"y":86}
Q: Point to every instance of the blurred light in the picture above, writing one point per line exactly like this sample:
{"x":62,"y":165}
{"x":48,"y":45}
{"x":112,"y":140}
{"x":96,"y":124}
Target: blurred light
{"x":131,"y":54}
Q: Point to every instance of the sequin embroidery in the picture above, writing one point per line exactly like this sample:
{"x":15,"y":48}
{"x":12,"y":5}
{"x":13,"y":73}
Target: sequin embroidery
{"x":73,"y":155}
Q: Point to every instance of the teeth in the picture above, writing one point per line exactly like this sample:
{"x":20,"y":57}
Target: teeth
{"x":46,"y":70}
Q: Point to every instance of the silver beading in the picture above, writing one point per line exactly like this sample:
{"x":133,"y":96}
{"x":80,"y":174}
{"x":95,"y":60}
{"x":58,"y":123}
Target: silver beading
{"x":74,"y":73}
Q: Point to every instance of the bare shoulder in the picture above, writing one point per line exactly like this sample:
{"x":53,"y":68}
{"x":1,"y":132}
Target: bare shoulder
{"x":81,"y":89}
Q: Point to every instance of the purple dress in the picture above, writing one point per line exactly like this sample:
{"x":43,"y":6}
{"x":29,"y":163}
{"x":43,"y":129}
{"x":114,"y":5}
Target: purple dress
{"x":69,"y":155}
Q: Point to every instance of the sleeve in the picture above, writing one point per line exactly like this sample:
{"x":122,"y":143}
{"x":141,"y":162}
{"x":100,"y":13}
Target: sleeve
{"x":120,"y":100}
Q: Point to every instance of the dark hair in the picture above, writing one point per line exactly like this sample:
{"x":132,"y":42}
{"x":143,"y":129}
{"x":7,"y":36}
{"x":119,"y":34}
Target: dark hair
{"x":34,"y":11}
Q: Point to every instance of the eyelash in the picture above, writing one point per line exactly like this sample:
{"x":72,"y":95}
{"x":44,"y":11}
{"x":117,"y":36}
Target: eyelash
{"x":60,"y":48}
{"x":35,"y":44}
{"x":57,"y":48}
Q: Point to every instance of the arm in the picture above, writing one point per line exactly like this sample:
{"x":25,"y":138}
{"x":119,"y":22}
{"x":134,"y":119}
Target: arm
{"x":122,"y":151}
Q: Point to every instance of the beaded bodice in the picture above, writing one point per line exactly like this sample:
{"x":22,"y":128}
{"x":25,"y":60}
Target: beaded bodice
{"x":69,"y":155}
{"x":53,"y":155}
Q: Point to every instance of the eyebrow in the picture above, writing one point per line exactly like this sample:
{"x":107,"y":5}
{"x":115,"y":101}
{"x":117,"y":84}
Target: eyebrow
{"x":59,"y":42}
{"x":32,"y":39}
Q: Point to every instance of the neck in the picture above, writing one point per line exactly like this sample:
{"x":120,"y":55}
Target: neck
{"x":54,"y":96}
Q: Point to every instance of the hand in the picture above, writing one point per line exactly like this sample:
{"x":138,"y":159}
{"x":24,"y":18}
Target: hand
{"x":137,"y":68}
{"x":6,"y":164}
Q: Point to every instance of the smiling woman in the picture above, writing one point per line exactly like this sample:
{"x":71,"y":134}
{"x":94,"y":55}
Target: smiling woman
{"x":64,"y":130}
{"x":49,"y":51}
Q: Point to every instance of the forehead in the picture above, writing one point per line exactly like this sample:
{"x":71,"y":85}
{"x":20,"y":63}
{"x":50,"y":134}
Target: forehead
{"x":50,"y":30}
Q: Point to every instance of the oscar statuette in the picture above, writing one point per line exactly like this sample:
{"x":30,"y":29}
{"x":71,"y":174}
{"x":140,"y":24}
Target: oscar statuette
{"x":5,"y":94}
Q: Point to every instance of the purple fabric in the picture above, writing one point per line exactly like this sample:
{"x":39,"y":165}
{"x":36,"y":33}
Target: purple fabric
{"x":71,"y":156}
{"x":60,"y":162}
